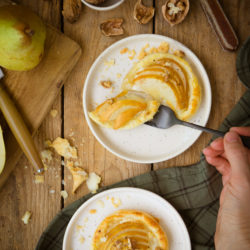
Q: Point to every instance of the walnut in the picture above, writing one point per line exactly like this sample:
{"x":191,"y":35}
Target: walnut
{"x":72,"y":10}
{"x":95,"y":1}
{"x":112,"y":27}
{"x":175,"y":11}
{"x":143,"y":14}
{"x":106,"y":84}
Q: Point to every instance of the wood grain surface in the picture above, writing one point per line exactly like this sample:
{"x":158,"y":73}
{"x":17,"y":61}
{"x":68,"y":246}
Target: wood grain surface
{"x":21,"y":194}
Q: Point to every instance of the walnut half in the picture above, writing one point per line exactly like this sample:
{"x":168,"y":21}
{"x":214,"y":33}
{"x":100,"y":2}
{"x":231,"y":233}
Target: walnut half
{"x":143,"y":14}
{"x":112,"y":27}
{"x":175,"y":11}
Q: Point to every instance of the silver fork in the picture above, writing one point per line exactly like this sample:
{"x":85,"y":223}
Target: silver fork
{"x":166,"y":118}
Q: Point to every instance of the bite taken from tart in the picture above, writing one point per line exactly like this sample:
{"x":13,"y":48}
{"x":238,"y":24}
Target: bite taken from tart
{"x":127,"y":110}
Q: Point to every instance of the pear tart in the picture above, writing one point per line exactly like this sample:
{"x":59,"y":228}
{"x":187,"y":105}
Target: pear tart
{"x":127,"y":110}
{"x":169,"y":79}
{"x":130,"y":230}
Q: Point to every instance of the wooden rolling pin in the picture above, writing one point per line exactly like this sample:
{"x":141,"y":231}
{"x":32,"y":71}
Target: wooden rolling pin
{"x":220,"y":24}
{"x":19,"y":129}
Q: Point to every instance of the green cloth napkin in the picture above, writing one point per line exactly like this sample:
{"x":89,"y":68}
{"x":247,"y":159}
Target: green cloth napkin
{"x":194,"y":191}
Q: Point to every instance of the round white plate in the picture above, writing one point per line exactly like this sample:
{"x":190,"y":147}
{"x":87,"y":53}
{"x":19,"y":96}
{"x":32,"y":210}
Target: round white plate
{"x":107,"y":5}
{"x":143,"y":144}
{"x":83,"y":223}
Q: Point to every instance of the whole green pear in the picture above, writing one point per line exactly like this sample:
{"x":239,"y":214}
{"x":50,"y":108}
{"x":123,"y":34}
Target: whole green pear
{"x":22,"y":37}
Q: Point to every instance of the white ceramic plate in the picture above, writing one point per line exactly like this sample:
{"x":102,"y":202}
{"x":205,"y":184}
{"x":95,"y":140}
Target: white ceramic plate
{"x":143,"y":144}
{"x":107,"y":5}
{"x":83,"y":224}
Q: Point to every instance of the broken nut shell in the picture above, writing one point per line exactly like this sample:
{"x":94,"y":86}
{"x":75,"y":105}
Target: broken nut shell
{"x":112,"y":27}
{"x":175,"y":11}
{"x":142,"y":13}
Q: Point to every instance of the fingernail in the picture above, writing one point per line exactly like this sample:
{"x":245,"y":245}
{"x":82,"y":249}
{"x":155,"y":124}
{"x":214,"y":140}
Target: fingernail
{"x":232,"y":137}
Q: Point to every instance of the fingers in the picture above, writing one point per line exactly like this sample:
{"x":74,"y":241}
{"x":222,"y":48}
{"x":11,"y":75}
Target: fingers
{"x":216,"y":148}
{"x":218,"y":144}
{"x":220,"y":164}
{"x":241,"y":130}
{"x":236,"y":154}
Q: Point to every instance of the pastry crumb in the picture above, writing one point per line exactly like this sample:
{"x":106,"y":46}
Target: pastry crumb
{"x":124,"y":50}
{"x":109,"y":63}
{"x":63,"y":148}
{"x":39,"y":179}
{"x":79,"y":228}
{"x":25,"y":166}
{"x":142,"y":54}
{"x":78,"y":174}
{"x":45,"y":167}
{"x":46,"y":155}
{"x":179,"y":53}
{"x":92,"y":211}
{"x":118,"y":75}
{"x":52,"y":191}
{"x":116,"y":202}
{"x":64,"y":194}
{"x":164,"y":47}
{"x":132,"y":54}
{"x":53,"y":113}
{"x":26,"y":217}
{"x":71,"y":133}
{"x":106,"y":84}
{"x":81,"y":239}
{"x":93,"y":182}
{"x":47,"y":143}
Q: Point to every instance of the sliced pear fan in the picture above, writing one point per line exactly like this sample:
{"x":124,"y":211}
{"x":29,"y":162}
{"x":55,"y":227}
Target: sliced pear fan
{"x":169,"y":79}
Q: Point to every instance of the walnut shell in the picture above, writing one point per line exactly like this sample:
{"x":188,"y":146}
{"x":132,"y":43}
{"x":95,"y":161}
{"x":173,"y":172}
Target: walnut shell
{"x":142,"y":13}
{"x":112,"y":27}
{"x":175,"y":11}
{"x":95,"y":1}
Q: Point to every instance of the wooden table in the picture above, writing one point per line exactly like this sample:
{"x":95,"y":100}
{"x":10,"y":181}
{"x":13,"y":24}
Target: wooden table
{"x":21,"y":193}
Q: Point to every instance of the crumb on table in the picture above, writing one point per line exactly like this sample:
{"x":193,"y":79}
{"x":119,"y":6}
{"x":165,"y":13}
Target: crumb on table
{"x":26,"y":217}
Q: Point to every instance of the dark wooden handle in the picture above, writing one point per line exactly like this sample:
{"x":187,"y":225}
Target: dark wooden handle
{"x":220,"y":24}
{"x":20,"y":130}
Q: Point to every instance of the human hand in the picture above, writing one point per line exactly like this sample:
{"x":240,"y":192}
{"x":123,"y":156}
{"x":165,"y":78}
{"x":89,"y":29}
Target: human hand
{"x":232,"y":160}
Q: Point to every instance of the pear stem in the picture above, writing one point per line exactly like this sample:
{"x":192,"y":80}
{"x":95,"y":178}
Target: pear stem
{"x":29,"y":31}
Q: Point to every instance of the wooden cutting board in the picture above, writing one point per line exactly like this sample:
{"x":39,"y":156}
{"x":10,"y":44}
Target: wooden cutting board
{"x":35,"y":91}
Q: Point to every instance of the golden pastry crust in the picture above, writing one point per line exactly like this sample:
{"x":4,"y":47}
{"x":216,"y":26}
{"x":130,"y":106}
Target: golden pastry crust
{"x":168,"y":79}
{"x":127,"y":110}
{"x":128,"y":230}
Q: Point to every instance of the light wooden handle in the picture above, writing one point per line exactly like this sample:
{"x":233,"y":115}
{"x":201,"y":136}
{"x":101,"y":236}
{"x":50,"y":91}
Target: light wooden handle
{"x":20,"y":130}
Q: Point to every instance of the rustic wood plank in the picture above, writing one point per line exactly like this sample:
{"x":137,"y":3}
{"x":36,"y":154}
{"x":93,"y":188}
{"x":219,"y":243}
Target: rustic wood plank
{"x":20,"y":193}
{"x":197,"y":35}
{"x":92,"y":156}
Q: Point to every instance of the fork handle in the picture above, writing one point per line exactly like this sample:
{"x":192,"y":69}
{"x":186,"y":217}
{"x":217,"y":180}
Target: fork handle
{"x":245,"y":139}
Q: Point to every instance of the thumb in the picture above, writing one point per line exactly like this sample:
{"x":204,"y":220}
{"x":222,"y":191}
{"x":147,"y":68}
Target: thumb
{"x":236,"y":154}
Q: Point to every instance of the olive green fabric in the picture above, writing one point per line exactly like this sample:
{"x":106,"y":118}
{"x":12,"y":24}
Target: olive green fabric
{"x":194,"y":191}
